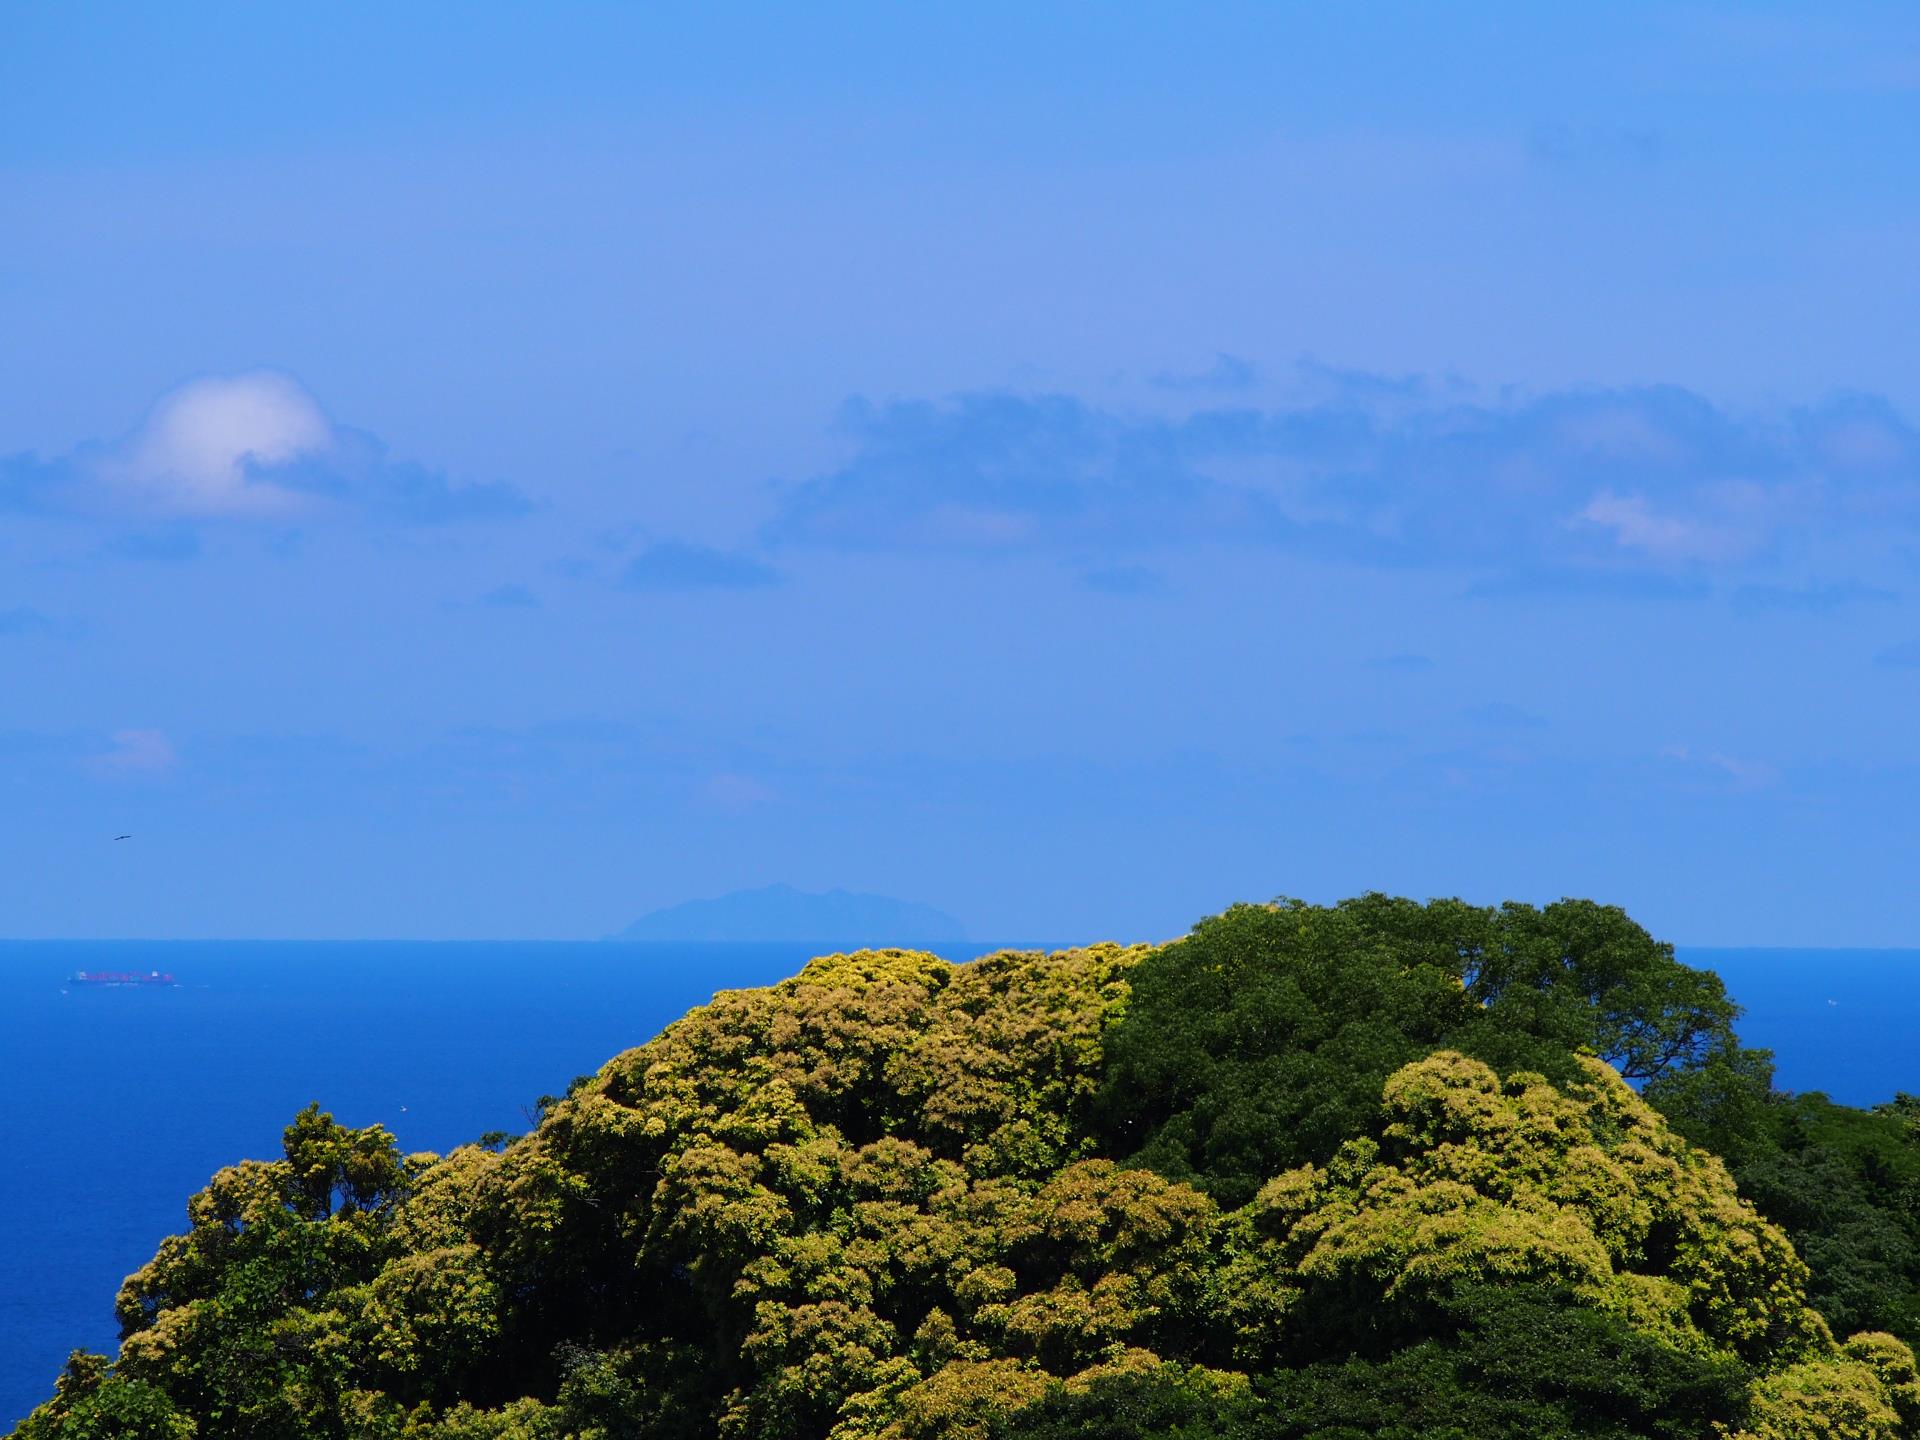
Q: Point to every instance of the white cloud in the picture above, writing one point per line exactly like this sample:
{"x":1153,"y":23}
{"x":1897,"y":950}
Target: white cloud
{"x":1582,"y":482}
{"x":1636,"y":525}
{"x":200,"y":451}
{"x":243,"y":447}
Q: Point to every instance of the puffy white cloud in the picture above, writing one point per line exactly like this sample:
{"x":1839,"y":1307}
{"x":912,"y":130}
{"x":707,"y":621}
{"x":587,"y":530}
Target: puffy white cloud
{"x":254,"y":446}
{"x":212,"y":446}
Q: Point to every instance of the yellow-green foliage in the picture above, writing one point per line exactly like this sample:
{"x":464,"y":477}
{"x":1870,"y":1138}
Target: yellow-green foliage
{"x":865,"y":1204}
{"x":1473,"y":1180}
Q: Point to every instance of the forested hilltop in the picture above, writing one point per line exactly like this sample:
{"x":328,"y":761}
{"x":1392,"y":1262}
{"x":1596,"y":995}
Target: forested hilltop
{"x":1367,"y":1170}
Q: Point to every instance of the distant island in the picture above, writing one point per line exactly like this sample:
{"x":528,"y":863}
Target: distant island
{"x":841,"y":918}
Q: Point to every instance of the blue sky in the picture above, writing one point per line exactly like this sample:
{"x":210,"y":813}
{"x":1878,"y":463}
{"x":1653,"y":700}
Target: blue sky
{"x":490,"y":471}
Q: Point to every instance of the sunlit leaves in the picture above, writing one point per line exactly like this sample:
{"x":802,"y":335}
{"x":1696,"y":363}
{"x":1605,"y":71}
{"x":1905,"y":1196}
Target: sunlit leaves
{"x":1311,"y":1172}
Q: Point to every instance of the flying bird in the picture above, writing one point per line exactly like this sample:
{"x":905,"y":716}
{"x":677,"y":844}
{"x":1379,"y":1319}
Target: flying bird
{"x":123,"y":837}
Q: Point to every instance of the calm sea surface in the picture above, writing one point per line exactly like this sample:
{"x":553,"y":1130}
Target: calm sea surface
{"x":117,"y":1104}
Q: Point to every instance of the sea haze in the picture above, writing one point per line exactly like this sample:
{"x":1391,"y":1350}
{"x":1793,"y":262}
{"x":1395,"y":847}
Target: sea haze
{"x":119,"y":1103}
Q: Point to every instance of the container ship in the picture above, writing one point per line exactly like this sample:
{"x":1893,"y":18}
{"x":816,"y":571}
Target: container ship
{"x":122,"y":977}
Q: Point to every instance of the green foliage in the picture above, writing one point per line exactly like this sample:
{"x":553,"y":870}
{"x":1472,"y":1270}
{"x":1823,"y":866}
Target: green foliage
{"x":1525,"y":1364}
{"x":1162,"y":1402}
{"x":92,"y":1403}
{"x":1308,"y":1173}
{"x":1843,"y":1183}
{"x":1472,"y":1182}
{"x":1261,"y":1040}
{"x":246,"y":1321}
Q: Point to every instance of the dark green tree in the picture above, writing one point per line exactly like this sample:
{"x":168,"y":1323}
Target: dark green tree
{"x":1843,"y":1182}
{"x":1164,"y":1403}
{"x":1261,"y":1039}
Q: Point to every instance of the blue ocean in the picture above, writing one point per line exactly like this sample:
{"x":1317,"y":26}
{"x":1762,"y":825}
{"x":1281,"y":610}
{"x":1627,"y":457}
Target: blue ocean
{"x":118,"y":1103}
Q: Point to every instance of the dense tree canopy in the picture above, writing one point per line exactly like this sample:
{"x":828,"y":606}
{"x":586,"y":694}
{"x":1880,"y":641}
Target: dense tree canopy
{"x":1843,"y":1183}
{"x":1316,"y":1172}
{"x":1262,"y":1039}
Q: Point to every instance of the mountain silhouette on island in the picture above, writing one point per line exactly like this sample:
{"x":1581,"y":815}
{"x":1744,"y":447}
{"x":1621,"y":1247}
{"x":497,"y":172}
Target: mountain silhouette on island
{"x":840,"y":919}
